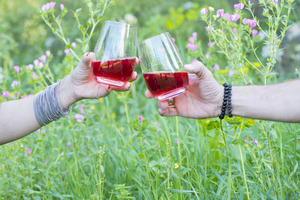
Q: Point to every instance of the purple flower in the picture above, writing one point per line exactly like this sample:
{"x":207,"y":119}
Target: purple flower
{"x":67,"y":51}
{"x":62,"y":7}
{"x":191,"y":40}
{"x":234,"y":18}
{"x":3,"y":166}
{"x":62,"y":154}
{"x":211,"y":44}
{"x":81,"y":108}
{"x":254,"y":32}
{"x":17,"y":69}
{"x":230,"y":73}
{"x":79,"y":117}
{"x":173,"y":39}
{"x":227,"y":16}
{"x":255,"y":142}
{"x":220,"y":12}
{"x":208,"y":29}
{"x":73,"y":45}
{"x":216,"y":67}
{"x":51,"y":5}
{"x":5,"y":94}
{"x":275,"y":1}
{"x":140,"y":119}
{"x":43,"y":58}
{"x":45,"y":7}
{"x":14,"y":83}
{"x":29,"y":67}
{"x":176,"y":142}
{"x":44,"y":132}
{"x":207,"y":56}
{"x":36,"y":62}
{"x":28,"y":151}
{"x":252,"y":23}
{"x":46,"y":161}
{"x":21,"y":145}
{"x":245,"y":21}
{"x":234,"y":30}
{"x":48,"y":53}
{"x":34,"y":75}
{"x":239,"y":6}
{"x":38,"y":130}
{"x":250,"y":81}
{"x":194,"y":34}
{"x":41,"y":65}
{"x":246,"y":140}
{"x":69,"y":144}
{"x":203,"y":11}
{"x":193,"y":47}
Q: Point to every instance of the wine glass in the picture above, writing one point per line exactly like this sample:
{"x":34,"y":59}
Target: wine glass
{"x":162,"y":67}
{"x":115,"y":53}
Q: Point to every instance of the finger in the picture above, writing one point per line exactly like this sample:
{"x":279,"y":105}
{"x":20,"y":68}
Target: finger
{"x":162,"y":104}
{"x":133,"y":76}
{"x":86,"y":60}
{"x":137,"y":60}
{"x":126,"y":87}
{"x":197,"y":68}
{"x":148,"y":94}
{"x":170,"y":111}
{"x":104,"y":90}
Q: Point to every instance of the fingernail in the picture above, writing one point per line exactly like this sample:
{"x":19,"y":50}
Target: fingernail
{"x":88,"y":55}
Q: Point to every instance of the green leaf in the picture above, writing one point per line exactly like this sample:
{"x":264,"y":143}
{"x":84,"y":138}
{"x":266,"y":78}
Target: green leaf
{"x":235,"y":152}
{"x":68,"y":46}
{"x":88,"y":24}
{"x":78,"y":10}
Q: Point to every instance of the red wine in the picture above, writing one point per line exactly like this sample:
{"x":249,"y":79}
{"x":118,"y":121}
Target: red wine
{"x":114,"y":72}
{"x":166,"y":85}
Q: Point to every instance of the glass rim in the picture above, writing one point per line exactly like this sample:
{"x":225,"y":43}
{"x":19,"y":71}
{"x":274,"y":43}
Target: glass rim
{"x":151,"y":38}
{"x":115,"y":23}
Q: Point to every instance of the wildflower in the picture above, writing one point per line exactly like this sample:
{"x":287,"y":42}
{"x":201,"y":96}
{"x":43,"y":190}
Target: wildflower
{"x":62,"y":154}
{"x":67,"y":51}
{"x":51,"y":5}
{"x":245,"y":21}
{"x":275,"y":1}
{"x":62,"y":7}
{"x":38,"y":130}
{"x":194,"y":60}
{"x":3,"y":166}
{"x":173,"y":39}
{"x":69,"y":144}
{"x":207,"y":56}
{"x":176,"y":142}
{"x":211,"y":8}
{"x":208,"y":29}
{"x":211,"y":44}
{"x":41,"y":65}
{"x":48,"y":53}
{"x":36,"y":62}
{"x":45,"y":7}
{"x":230,"y":73}
{"x":17,"y":69}
{"x":79,"y":117}
{"x":14,"y":83}
{"x":5,"y":94}
{"x":239,"y":6}
{"x":193,"y":47}
{"x":194,"y":34}
{"x":252,"y":23}
{"x":216,"y":67}
{"x":250,"y":81}
{"x":13,"y":144}
{"x":220,"y":12}
{"x":34,"y":75}
{"x":46,"y":161}
{"x":21,"y":145}
{"x":227,"y":16}
{"x":28,"y":151}
{"x":234,"y":30}
{"x":44,"y":132}
{"x":191,"y":40}
{"x":92,"y":107}
{"x":176,"y":165}
{"x":254,"y":32}
{"x":29,"y":67}
{"x":81,"y":108}
{"x":73,"y":45}
{"x":234,"y":18}
{"x":203,"y":11}
{"x":43,"y":58}
{"x":246,"y":140}
{"x":140,"y":119}
{"x":255,"y":142}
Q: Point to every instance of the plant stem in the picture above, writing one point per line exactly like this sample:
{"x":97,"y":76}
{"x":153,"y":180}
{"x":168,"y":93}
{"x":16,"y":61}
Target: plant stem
{"x":242,"y":159}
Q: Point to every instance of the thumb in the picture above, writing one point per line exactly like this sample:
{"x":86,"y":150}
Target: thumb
{"x":197,"y":68}
{"x":86,"y":60}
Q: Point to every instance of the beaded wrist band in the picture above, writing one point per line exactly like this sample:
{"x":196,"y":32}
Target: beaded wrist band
{"x":226,"y":101}
{"x":47,"y":105}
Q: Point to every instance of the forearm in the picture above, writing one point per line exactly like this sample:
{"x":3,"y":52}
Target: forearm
{"x":279,"y":102}
{"x":17,"y":118}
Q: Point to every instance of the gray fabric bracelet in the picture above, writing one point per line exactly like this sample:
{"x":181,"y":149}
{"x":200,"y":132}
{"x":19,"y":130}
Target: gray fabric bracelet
{"x":47,"y":105}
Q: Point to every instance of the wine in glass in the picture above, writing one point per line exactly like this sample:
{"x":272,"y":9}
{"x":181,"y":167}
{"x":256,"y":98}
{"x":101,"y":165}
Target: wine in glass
{"x":115,"y":53}
{"x":162,"y":67}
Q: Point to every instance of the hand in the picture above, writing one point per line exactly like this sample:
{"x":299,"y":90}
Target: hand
{"x":84,"y":84}
{"x":203,"y":98}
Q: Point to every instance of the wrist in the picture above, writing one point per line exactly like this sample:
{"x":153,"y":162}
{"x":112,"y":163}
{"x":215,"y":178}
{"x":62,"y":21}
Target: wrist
{"x":66,"y":92}
{"x":219,"y":101}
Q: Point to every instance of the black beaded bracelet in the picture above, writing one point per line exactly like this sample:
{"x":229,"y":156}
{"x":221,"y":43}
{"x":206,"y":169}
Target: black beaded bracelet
{"x":226,"y":101}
